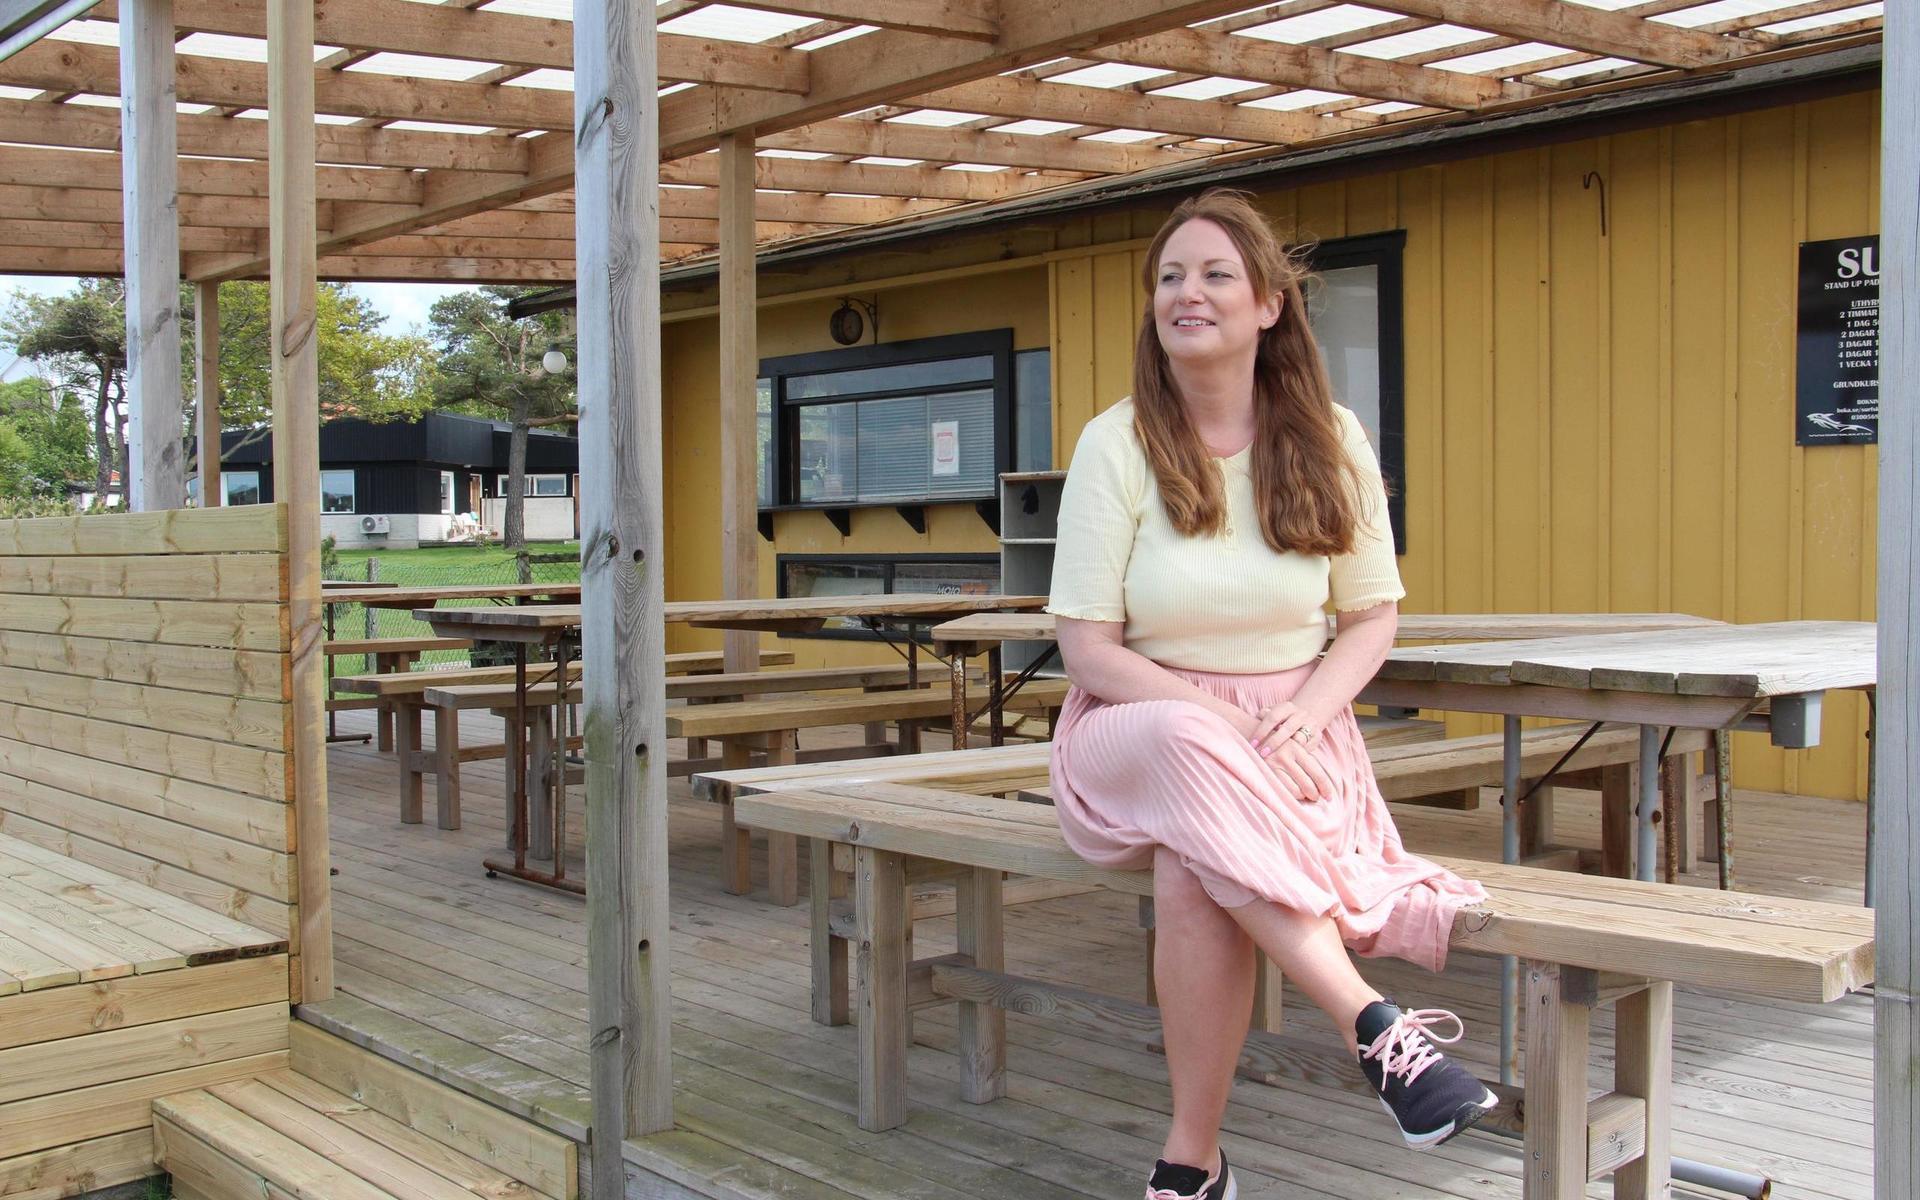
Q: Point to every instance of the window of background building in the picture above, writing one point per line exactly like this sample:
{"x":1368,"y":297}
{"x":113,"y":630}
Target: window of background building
{"x":1355,"y":310}
{"x":336,"y":491}
{"x":913,"y":422}
{"x":1033,"y":410}
{"x":242,"y":487}
{"x":817,"y":575}
{"x":546,"y":485}
{"x":446,"y":491}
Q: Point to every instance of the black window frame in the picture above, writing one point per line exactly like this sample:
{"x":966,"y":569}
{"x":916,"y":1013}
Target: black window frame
{"x":1387,"y":253}
{"x":888,"y":561}
{"x":996,"y":343}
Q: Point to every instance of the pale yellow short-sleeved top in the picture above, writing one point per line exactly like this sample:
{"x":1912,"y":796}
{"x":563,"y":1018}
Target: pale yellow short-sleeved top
{"x":1209,"y":603}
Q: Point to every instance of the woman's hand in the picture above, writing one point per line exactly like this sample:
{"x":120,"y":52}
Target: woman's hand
{"x":1284,"y":735}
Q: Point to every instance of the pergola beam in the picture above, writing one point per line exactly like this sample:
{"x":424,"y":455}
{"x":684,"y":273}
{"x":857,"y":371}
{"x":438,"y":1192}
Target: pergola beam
{"x":892,"y":139}
{"x":889,"y":66}
{"x":446,"y":31}
{"x":1558,"y":23}
{"x":1008,"y":96}
{"x":1200,"y":52}
{"x":797,"y":175}
{"x":971,"y":20}
{"x":82,"y":126}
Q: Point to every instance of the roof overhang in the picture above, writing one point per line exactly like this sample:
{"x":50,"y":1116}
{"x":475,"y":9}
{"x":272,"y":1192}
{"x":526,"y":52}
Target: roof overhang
{"x":24,"y":22}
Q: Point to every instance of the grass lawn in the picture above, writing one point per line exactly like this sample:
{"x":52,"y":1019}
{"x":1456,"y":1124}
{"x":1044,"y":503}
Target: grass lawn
{"x":431,"y":566}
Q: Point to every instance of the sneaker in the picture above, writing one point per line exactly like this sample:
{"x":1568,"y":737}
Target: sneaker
{"x":1430,"y":1096}
{"x":1174,"y":1181}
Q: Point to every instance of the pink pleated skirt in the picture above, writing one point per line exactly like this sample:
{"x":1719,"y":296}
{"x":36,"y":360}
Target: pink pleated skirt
{"x":1128,"y":778}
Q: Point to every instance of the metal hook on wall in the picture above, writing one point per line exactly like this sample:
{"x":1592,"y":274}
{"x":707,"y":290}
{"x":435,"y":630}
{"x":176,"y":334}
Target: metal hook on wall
{"x":1589,"y":180}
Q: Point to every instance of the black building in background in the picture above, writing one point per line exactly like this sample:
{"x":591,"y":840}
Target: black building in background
{"x":416,"y":475}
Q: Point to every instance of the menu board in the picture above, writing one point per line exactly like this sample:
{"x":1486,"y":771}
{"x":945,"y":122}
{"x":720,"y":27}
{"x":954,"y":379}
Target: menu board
{"x":1837,"y":392}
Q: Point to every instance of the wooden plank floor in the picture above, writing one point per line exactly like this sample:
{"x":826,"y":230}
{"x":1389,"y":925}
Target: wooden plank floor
{"x":488,"y":979}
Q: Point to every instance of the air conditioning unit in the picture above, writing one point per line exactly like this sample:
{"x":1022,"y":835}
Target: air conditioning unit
{"x":376,"y":525}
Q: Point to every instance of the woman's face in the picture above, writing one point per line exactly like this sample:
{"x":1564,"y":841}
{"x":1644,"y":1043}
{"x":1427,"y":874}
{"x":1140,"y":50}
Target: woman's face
{"x":1203,"y":304}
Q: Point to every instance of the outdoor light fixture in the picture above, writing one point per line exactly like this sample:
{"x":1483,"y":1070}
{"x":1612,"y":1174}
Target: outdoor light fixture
{"x":554,"y":361}
{"x":846,"y":326}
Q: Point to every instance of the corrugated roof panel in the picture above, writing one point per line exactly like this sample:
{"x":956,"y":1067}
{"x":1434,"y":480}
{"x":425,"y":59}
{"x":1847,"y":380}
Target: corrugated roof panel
{"x":1107,"y":75}
{"x":1328,"y":22}
{"x":726,"y":23}
{"x":1211,"y":88}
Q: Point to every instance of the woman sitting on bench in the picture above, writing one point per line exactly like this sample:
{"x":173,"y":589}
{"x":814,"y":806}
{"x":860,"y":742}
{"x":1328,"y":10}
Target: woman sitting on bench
{"x":1205,"y":524}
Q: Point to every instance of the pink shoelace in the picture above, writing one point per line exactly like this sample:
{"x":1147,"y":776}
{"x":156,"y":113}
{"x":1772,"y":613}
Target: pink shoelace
{"x":1404,"y":1048}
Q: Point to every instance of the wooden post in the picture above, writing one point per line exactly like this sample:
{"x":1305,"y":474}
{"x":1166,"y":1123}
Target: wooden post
{"x":622,"y":555}
{"x":1896,"y":1144}
{"x":739,"y":372}
{"x":206,"y":401}
{"x":156,"y":471}
{"x":296,"y":461}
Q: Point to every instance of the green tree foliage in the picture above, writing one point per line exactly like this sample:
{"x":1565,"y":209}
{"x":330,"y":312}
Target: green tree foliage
{"x":363,"y":372}
{"x":52,"y":427}
{"x":490,"y":365}
{"x":79,"y":341}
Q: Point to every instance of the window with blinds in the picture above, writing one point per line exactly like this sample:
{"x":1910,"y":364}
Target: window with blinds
{"x":904,"y":423}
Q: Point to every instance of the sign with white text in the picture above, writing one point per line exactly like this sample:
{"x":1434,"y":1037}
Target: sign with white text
{"x":1837,"y":378}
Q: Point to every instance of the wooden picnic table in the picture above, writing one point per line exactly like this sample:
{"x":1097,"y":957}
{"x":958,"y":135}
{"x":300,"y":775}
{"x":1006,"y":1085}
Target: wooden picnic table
{"x":558,"y":625}
{"x":380,"y":596}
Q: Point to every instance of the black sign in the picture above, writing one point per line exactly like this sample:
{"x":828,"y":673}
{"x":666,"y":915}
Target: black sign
{"x":1838,"y":377}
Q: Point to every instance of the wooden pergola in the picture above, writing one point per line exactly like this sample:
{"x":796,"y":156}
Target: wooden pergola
{"x":503,"y":141}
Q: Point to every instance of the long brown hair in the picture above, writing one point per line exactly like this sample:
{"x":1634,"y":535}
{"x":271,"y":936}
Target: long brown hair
{"x":1308,"y":489}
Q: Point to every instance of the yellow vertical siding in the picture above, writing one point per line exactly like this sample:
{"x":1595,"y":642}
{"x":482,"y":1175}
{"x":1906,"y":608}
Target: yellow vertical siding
{"x":1597,"y":422}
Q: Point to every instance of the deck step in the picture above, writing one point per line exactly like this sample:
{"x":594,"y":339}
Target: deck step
{"x":286,"y":1133}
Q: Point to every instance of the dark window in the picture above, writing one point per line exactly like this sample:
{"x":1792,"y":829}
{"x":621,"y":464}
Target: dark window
{"x":820,"y":575}
{"x":902,"y":423}
{"x":336,"y":491}
{"x":1355,"y":310}
{"x":1033,"y":410}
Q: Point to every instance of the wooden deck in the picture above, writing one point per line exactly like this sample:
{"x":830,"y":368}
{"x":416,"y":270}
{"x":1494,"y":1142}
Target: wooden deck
{"x":484,"y":983}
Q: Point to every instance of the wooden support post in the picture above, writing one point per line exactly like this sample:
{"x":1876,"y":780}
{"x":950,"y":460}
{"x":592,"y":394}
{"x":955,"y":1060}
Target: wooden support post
{"x":1619,"y":786}
{"x":446,"y":768}
{"x":1267,"y":1000}
{"x":783,"y":852}
{"x":824,"y":886}
{"x":736,"y":844}
{"x":739,"y":375}
{"x":206,"y":411}
{"x":149,"y":165}
{"x":623,"y":554}
{"x":981,"y":927}
{"x":1643,"y":1067}
{"x":295,"y":352}
{"x":1536,"y":819}
{"x":407,"y":738}
{"x":880,"y":984}
{"x":1557,"y":1031}
{"x":1896,"y":847}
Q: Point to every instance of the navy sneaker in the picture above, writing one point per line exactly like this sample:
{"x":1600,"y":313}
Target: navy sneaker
{"x":1174,"y":1181}
{"x":1430,"y":1096}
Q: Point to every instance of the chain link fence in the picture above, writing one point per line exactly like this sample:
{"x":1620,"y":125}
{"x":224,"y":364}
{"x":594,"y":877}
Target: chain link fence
{"x":431,"y":566}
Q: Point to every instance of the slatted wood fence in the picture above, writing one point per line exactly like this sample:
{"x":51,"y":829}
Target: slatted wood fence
{"x":145,"y":723}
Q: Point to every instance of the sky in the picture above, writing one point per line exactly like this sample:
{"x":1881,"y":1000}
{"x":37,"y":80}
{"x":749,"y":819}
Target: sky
{"x":404,"y":305}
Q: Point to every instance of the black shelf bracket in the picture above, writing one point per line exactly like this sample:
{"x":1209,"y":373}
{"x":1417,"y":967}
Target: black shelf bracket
{"x":914,"y":515}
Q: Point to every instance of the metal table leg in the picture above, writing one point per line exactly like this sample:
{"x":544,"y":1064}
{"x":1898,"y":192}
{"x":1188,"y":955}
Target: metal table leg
{"x":1646,"y":850}
{"x":1509,"y":853}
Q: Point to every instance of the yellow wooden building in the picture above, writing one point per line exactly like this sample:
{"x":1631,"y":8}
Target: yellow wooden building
{"x":1596,"y":351}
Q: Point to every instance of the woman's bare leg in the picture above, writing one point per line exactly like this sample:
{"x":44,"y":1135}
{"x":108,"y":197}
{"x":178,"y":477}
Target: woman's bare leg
{"x":1203,"y":971}
{"x":1309,"y":952}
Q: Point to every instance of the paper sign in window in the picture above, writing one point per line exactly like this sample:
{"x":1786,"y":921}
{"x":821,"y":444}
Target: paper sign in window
{"x":946,"y":447}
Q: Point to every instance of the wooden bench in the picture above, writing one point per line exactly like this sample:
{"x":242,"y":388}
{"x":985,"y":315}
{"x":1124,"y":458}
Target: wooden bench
{"x":1585,"y":942}
{"x":447,"y":703}
{"x":388,"y":655}
{"x":774,"y":726}
{"x":113,"y":994}
{"x":1411,"y":761}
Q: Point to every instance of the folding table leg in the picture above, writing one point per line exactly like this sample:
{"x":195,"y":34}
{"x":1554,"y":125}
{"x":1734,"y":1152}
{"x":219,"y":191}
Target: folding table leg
{"x":880,"y":984}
